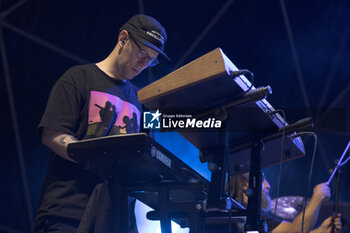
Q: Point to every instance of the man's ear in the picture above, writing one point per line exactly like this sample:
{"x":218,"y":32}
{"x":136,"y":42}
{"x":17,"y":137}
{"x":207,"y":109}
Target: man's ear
{"x":123,"y":37}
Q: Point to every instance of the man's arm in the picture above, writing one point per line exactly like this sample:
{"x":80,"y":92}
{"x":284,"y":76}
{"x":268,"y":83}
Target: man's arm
{"x":57,"y":142}
{"x":321,"y":194}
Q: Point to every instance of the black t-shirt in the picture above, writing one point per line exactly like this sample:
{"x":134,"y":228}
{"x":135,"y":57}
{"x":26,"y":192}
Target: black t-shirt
{"x":85,"y":102}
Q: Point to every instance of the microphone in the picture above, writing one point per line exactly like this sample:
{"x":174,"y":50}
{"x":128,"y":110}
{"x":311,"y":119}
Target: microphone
{"x":300,"y":125}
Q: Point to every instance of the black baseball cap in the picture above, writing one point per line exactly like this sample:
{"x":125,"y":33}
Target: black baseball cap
{"x":147,"y":31}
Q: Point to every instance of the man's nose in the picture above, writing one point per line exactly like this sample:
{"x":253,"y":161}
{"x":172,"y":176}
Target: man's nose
{"x":266,"y":184}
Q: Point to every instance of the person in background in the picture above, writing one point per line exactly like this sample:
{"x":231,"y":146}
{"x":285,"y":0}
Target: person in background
{"x":321,"y":193}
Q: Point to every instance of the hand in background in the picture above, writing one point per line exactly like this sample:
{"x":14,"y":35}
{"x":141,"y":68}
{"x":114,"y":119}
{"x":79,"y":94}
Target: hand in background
{"x":326,"y":226}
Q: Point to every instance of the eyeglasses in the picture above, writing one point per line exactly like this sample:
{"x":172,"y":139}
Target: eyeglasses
{"x":143,"y":55}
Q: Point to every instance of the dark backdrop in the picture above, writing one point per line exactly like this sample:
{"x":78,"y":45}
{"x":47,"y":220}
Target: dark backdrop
{"x":300,"y":48}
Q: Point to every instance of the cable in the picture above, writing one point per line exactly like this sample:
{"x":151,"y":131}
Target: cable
{"x":229,"y":192}
{"x":309,"y":179}
{"x":281,"y":159}
{"x":241,"y":72}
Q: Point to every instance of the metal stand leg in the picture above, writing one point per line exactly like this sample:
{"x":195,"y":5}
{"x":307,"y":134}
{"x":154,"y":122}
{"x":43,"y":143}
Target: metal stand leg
{"x":219,"y":169}
{"x":254,"y":190}
{"x":195,"y":221}
{"x":163,"y":198}
{"x":124,"y":213}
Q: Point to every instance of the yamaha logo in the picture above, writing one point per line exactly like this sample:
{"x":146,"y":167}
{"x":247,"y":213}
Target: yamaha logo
{"x":160,"y":156}
{"x":153,"y":151}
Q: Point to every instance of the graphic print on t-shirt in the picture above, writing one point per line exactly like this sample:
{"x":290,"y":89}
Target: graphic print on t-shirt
{"x":110,"y":115}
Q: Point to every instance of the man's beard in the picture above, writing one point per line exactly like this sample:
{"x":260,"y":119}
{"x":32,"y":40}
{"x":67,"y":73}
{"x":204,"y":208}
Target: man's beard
{"x":265,"y":201}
